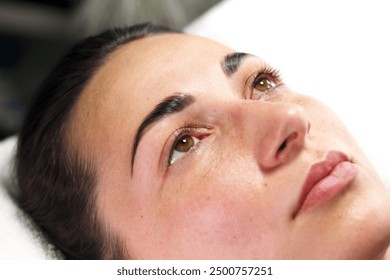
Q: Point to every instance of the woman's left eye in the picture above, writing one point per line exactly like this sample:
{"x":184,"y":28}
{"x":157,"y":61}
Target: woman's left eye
{"x":263,"y":84}
{"x":182,"y":146}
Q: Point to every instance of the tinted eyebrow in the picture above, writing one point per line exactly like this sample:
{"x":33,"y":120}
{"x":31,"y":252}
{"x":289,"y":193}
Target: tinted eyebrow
{"x":232,"y":61}
{"x":170,"y":105}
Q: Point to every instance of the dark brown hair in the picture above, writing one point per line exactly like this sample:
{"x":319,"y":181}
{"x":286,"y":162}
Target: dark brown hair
{"x":57,"y":181}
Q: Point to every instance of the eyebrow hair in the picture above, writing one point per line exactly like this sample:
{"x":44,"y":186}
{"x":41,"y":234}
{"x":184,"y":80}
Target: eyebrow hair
{"x":232,"y":61}
{"x":170,"y":105}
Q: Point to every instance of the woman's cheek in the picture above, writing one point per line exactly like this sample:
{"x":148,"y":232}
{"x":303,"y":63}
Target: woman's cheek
{"x":213,"y":209}
{"x":219,"y":225}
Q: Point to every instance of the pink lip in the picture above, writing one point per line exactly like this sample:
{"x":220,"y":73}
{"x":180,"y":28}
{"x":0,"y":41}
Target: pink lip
{"x":326,"y":179}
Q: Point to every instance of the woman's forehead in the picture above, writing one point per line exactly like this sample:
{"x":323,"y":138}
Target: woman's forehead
{"x":146,"y":69}
{"x":166,"y":49}
{"x":139,"y":74}
{"x":158,"y":58}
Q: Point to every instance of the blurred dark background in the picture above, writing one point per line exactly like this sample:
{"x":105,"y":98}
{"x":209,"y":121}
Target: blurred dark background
{"x":35,"y":33}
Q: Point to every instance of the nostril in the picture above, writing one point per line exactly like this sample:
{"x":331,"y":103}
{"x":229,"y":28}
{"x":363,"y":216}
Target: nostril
{"x":290,"y":138}
{"x":281,"y":147}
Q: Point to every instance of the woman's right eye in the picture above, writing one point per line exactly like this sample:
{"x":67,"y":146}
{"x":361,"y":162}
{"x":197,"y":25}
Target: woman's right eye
{"x":182,"y":146}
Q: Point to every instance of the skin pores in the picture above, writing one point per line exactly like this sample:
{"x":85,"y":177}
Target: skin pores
{"x":245,"y":144}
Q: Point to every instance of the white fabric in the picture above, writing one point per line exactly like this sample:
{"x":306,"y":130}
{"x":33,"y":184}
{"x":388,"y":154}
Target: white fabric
{"x":19,"y":238}
{"x":336,"y":51}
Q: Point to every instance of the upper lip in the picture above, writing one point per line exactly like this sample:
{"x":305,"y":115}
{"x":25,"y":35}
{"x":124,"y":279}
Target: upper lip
{"x":319,"y":171}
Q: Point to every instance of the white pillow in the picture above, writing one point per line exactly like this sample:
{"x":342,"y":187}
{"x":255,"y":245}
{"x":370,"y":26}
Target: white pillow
{"x":336,"y":51}
{"x":19,"y":237}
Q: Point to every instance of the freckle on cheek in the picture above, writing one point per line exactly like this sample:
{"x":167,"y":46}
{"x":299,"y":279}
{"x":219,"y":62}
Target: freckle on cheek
{"x":212,"y":219}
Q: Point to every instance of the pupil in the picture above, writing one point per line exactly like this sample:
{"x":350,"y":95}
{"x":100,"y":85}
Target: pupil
{"x":185,"y":144}
{"x":263,"y":85}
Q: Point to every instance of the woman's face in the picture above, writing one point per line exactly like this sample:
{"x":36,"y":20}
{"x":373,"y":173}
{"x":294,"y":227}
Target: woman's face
{"x":203,"y":153}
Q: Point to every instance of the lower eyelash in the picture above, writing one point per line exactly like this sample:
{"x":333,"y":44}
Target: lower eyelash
{"x":186,"y":129}
{"x":268,"y":72}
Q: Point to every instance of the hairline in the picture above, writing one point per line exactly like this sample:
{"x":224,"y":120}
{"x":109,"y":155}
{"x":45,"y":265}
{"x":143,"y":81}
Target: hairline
{"x":114,"y":244}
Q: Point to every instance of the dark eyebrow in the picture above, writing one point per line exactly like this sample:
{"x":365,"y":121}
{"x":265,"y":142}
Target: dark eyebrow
{"x":170,"y":105}
{"x":232,"y":61}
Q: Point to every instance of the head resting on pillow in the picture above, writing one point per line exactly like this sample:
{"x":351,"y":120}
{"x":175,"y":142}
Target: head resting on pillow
{"x":146,"y":143}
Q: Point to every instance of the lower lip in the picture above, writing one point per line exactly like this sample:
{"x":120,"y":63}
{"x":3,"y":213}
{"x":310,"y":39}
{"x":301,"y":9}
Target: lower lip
{"x":330,"y":186}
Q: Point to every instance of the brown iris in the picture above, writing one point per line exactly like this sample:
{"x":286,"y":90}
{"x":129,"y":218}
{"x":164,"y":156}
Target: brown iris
{"x":184,"y":144}
{"x":264,"y":84}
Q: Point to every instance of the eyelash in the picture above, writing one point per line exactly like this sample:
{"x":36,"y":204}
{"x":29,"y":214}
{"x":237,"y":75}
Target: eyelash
{"x":266,"y":72}
{"x":188,"y":129}
{"x":193,"y":130}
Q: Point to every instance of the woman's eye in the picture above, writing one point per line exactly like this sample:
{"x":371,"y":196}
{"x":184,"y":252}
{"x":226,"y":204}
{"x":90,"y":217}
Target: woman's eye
{"x":182,"y":145}
{"x":263,"y":84}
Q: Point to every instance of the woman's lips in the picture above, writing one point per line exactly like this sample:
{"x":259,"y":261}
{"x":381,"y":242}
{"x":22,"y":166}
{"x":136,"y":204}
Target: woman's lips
{"x":326,"y":179}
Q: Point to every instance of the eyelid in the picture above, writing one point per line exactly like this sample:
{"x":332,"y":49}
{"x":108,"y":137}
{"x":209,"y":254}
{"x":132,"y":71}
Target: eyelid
{"x":190,"y":129}
{"x":267,"y":70}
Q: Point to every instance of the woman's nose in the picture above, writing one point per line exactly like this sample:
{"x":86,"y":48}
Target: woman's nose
{"x":276,"y":131}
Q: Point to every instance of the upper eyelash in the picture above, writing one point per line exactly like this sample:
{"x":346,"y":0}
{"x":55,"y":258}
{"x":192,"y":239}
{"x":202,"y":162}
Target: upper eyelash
{"x":267,"y":70}
{"x":191,"y":128}
{"x":186,"y":129}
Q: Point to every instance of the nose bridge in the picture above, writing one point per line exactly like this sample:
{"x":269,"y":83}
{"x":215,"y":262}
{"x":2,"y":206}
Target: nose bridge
{"x":274,"y":131}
